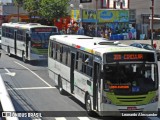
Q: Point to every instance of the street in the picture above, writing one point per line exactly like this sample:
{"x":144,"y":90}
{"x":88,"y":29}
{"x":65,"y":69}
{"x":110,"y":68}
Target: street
{"x":32,"y":90}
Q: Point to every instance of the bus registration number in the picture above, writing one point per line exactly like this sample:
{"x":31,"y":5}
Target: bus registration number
{"x":132,"y":108}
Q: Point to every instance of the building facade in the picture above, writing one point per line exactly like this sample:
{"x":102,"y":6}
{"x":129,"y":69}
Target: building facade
{"x":9,"y":13}
{"x":139,"y":13}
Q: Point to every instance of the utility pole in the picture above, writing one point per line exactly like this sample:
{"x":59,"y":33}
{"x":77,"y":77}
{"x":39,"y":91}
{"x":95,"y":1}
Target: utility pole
{"x":18,"y":12}
{"x":96,"y":26}
{"x":152,"y":8}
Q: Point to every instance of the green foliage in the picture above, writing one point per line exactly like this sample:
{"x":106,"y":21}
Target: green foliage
{"x":54,"y":8}
{"x":47,"y":9}
{"x":32,"y":7}
{"x":18,"y":2}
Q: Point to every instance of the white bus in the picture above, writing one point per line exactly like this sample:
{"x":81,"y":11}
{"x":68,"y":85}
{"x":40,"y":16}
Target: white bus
{"x":108,"y":77}
{"x":27,"y":40}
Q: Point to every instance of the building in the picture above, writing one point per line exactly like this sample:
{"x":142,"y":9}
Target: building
{"x":103,"y":16}
{"x":11,"y":13}
{"x":139,"y":13}
{"x":143,"y":12}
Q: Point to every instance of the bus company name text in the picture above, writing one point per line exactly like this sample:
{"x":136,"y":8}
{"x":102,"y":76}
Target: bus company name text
{"x":140,"y":114}
{"x":14,"y":114}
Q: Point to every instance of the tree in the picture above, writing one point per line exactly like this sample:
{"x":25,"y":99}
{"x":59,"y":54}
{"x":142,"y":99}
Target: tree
{"x":54,"y":8}
{"x":32,"y":7}
{"x":47,"y":9}
{"x":18,"y":3}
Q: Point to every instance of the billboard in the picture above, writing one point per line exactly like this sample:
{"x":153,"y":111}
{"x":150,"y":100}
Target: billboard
{"x":113,"y":16}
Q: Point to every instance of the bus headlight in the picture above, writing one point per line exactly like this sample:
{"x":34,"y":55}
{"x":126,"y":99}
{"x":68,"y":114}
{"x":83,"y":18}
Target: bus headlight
{"x":106,"y":100}
{"x":155,"y":99}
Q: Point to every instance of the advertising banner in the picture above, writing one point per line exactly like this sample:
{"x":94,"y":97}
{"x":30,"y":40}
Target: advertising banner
{"x":102,"y":16}
{"x":89,"y":15}
{"x":113,"y":16}
{"x":75,"y":15}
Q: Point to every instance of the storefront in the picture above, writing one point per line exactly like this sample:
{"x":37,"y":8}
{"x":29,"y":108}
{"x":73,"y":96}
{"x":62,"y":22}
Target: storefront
{"x":117,"y":21}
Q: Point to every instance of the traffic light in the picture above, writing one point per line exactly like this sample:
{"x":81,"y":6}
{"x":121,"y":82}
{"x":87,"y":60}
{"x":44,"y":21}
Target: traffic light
{"x":85,"y":1}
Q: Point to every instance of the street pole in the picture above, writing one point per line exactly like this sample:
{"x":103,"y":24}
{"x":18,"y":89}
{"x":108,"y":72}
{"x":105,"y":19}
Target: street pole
{"x":152,"y":22}
{"x":81,"y":14}
{"x":96,"y":27}
{"x":18,"y":11}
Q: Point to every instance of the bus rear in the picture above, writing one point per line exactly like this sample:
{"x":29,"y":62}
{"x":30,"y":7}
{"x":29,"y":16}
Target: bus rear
{"x":130,"y":84}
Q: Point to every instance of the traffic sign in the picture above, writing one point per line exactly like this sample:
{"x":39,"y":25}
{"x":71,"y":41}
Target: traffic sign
{"x":85,"y":1}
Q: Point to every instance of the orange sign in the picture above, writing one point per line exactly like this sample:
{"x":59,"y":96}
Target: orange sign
{"x":119,"y":87}
{"x":128,"y":56}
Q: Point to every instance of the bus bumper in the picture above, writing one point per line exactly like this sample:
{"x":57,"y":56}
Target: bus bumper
{"x":142,"y":110}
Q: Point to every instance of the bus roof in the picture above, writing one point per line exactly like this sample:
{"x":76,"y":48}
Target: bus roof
{"x":94,"y":45}
{"x":24,"y":25}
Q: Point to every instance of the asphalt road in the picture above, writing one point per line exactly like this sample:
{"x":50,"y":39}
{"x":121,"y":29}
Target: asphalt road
{"x":32,"y":90}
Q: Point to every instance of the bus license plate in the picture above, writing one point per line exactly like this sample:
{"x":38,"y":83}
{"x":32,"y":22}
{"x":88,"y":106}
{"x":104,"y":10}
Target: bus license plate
{"x":132,"y":108}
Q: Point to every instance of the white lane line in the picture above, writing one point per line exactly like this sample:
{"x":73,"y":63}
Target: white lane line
{"x":6,"y":70}
{"x":83,"y":118}
{"x":34,"y":74}
{"x":32,"y":88}
{"x":60,"y":118}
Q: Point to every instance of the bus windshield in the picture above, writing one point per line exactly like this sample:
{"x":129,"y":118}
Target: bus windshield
{"x":130,"y":78}
{"x":39,"y":38}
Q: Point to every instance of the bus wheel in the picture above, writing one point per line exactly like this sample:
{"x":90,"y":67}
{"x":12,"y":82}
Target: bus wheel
{"x":88,"y":105}
{"x":23,"y":58}
{"x":60,"y":88}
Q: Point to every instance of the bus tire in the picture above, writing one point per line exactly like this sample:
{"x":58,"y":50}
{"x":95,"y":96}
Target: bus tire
{"x":88,"y":105}
{"x":8,"y":52}
{"x":60,"y":88}
{"x":23,"y":57}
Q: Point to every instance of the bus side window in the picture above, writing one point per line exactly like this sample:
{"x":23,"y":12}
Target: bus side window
{"x":59,"y":51}
{"x":64,"y":55}
{"x":89,"y":66}
{"x":51,"y":49}
{"x":69,"y":57}
{"x":55,"y":51}
{"x":79,"y":61}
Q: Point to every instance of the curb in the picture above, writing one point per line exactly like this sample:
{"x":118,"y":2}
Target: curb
{"x":6,"y":102}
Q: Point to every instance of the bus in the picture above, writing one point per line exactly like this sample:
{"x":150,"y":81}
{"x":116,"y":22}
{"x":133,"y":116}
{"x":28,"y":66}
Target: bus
{"x":27,"y":40}
{"x":110,"y":78}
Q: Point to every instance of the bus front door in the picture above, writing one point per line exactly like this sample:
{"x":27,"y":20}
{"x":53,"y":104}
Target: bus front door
{"x":15,"y":42}
{"x":96,"y":86}
{"x":72,"y":71}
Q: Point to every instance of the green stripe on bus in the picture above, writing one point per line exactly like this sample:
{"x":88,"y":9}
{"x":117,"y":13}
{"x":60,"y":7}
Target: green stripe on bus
{"x":130,"y":99}
{"x":40,"y":51}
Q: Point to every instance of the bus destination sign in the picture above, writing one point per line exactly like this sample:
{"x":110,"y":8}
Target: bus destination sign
{"x":42,"y":30}
{"x":115,"y":57}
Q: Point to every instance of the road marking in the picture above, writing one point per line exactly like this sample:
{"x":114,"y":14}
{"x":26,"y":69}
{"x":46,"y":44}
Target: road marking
{"x":32,"y":88}
{"x":9,"y":73}
{"x":83,"y":118}
{"x":60,"y":118}
{"x":34,"y":74}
